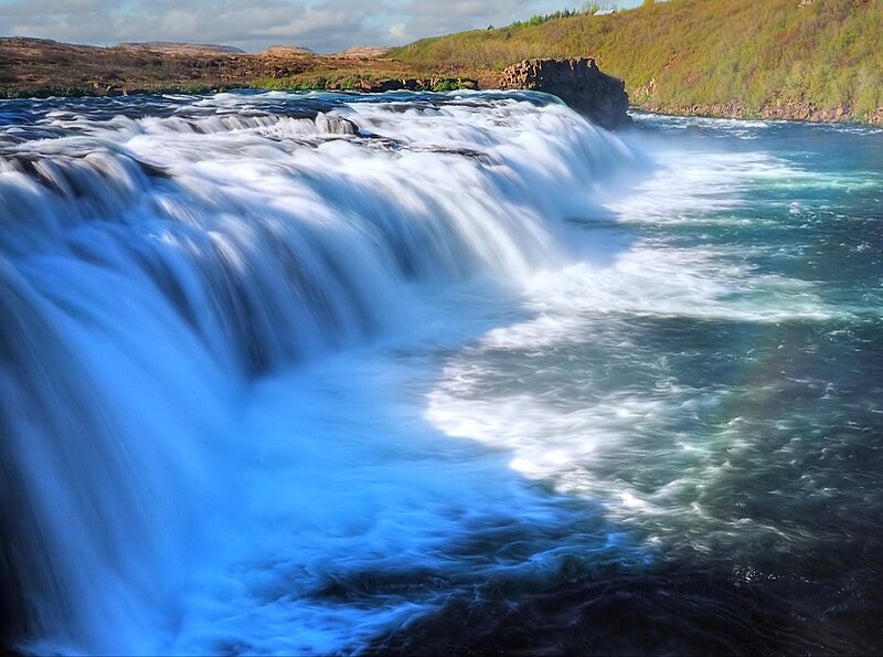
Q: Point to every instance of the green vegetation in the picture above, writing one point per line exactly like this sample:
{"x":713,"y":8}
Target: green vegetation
{"x":683,"y":53}
{"x":347,"y":80}
{"x":72,"y":91}
{"x":589,"y":8}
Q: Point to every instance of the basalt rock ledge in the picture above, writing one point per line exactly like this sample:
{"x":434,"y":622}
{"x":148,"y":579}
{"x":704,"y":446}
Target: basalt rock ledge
{"x":578,"y":82}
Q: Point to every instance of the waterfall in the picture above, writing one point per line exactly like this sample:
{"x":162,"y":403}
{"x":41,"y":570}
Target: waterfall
{"x":158,"y":258}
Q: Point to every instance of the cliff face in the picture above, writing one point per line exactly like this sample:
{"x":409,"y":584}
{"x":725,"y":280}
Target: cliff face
{"x":578,"y":82}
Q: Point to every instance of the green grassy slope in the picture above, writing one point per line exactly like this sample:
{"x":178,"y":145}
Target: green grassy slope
{"x":748,"y":55}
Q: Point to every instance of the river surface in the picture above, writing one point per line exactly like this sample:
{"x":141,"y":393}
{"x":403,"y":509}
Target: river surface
{"x":436,"y":374}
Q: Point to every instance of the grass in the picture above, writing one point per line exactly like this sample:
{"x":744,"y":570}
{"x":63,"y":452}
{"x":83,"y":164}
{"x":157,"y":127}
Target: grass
{"x":699,"y":52}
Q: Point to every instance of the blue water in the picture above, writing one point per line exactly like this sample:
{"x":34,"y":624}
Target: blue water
{"x":436,"y":374}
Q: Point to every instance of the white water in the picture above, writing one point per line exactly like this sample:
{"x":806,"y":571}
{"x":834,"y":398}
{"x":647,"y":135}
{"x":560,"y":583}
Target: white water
{"x":191,"y":463}
{"x":278,"y":384}
{"x":572,"y":418}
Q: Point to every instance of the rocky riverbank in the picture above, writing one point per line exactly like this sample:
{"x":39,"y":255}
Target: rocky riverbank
{"x":578,"y":82}
{"x":782,"y":110}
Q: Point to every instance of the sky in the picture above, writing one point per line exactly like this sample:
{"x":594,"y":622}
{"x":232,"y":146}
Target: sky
{"x":323,"y":26}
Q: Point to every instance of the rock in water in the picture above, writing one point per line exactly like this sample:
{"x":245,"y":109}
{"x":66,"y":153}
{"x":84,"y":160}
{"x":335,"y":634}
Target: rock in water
{"x":578,"y":82}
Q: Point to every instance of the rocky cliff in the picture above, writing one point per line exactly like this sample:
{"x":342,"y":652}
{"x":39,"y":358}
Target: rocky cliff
{"x":578,"y":82}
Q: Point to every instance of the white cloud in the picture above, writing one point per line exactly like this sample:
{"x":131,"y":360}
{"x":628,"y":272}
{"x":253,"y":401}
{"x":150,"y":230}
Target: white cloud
{"x":179,"y":23}
{"x":396,"y":32}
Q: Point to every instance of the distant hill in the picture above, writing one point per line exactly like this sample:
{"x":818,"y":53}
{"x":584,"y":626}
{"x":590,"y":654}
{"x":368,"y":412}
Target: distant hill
{"x":287,"y":50}
{"x":42,"y":67}
{"x":815,"y":59}
{"x":364,"y":51}
{"x":182,"y":48}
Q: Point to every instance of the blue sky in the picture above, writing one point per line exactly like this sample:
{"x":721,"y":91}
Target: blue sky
{"x":321,"y":25}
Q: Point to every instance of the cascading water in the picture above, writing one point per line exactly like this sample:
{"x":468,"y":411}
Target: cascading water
{"x":426,"y":374}
{"x":157,"y":259}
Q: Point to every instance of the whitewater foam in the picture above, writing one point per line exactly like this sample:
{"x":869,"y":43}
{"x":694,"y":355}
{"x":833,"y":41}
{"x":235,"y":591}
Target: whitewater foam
{"x":174,"y":255}
{"x":292,"y":373}
{"x":550,"y":389}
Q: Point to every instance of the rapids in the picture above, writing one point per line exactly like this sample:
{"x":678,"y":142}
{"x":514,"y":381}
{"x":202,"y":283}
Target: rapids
{"x":432,"y":373}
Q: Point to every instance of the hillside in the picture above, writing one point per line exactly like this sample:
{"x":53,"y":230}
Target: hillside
{"x":42,"y":67}
{"x":816,"y":59}
{"x":819,"y":60}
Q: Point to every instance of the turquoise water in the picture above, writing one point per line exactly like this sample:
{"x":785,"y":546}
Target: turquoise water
{"x":717,"y":385}
{"x":437,"y":374}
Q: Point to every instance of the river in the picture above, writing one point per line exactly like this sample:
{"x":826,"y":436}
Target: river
{"x":436,"y":374}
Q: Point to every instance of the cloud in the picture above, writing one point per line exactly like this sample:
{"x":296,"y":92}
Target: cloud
{"x":396,"y":32}
{"x":81,"y":20}
{"x":250,"y":26}
{"x":180,"y":23}
{"x":24,"y":9}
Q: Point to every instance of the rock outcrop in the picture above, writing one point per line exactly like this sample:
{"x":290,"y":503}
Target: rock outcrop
{"x":578,"y":82}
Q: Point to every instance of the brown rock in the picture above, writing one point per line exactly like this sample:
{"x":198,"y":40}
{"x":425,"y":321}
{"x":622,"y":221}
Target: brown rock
{"x":578,"y":82}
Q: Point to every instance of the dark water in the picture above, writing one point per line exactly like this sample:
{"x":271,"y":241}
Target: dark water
{"x":428,"y":374}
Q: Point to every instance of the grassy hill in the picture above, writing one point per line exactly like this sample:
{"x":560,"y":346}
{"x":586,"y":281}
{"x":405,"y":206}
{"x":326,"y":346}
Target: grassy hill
{"x":798,"y":59}
{"x":790,"y":58}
